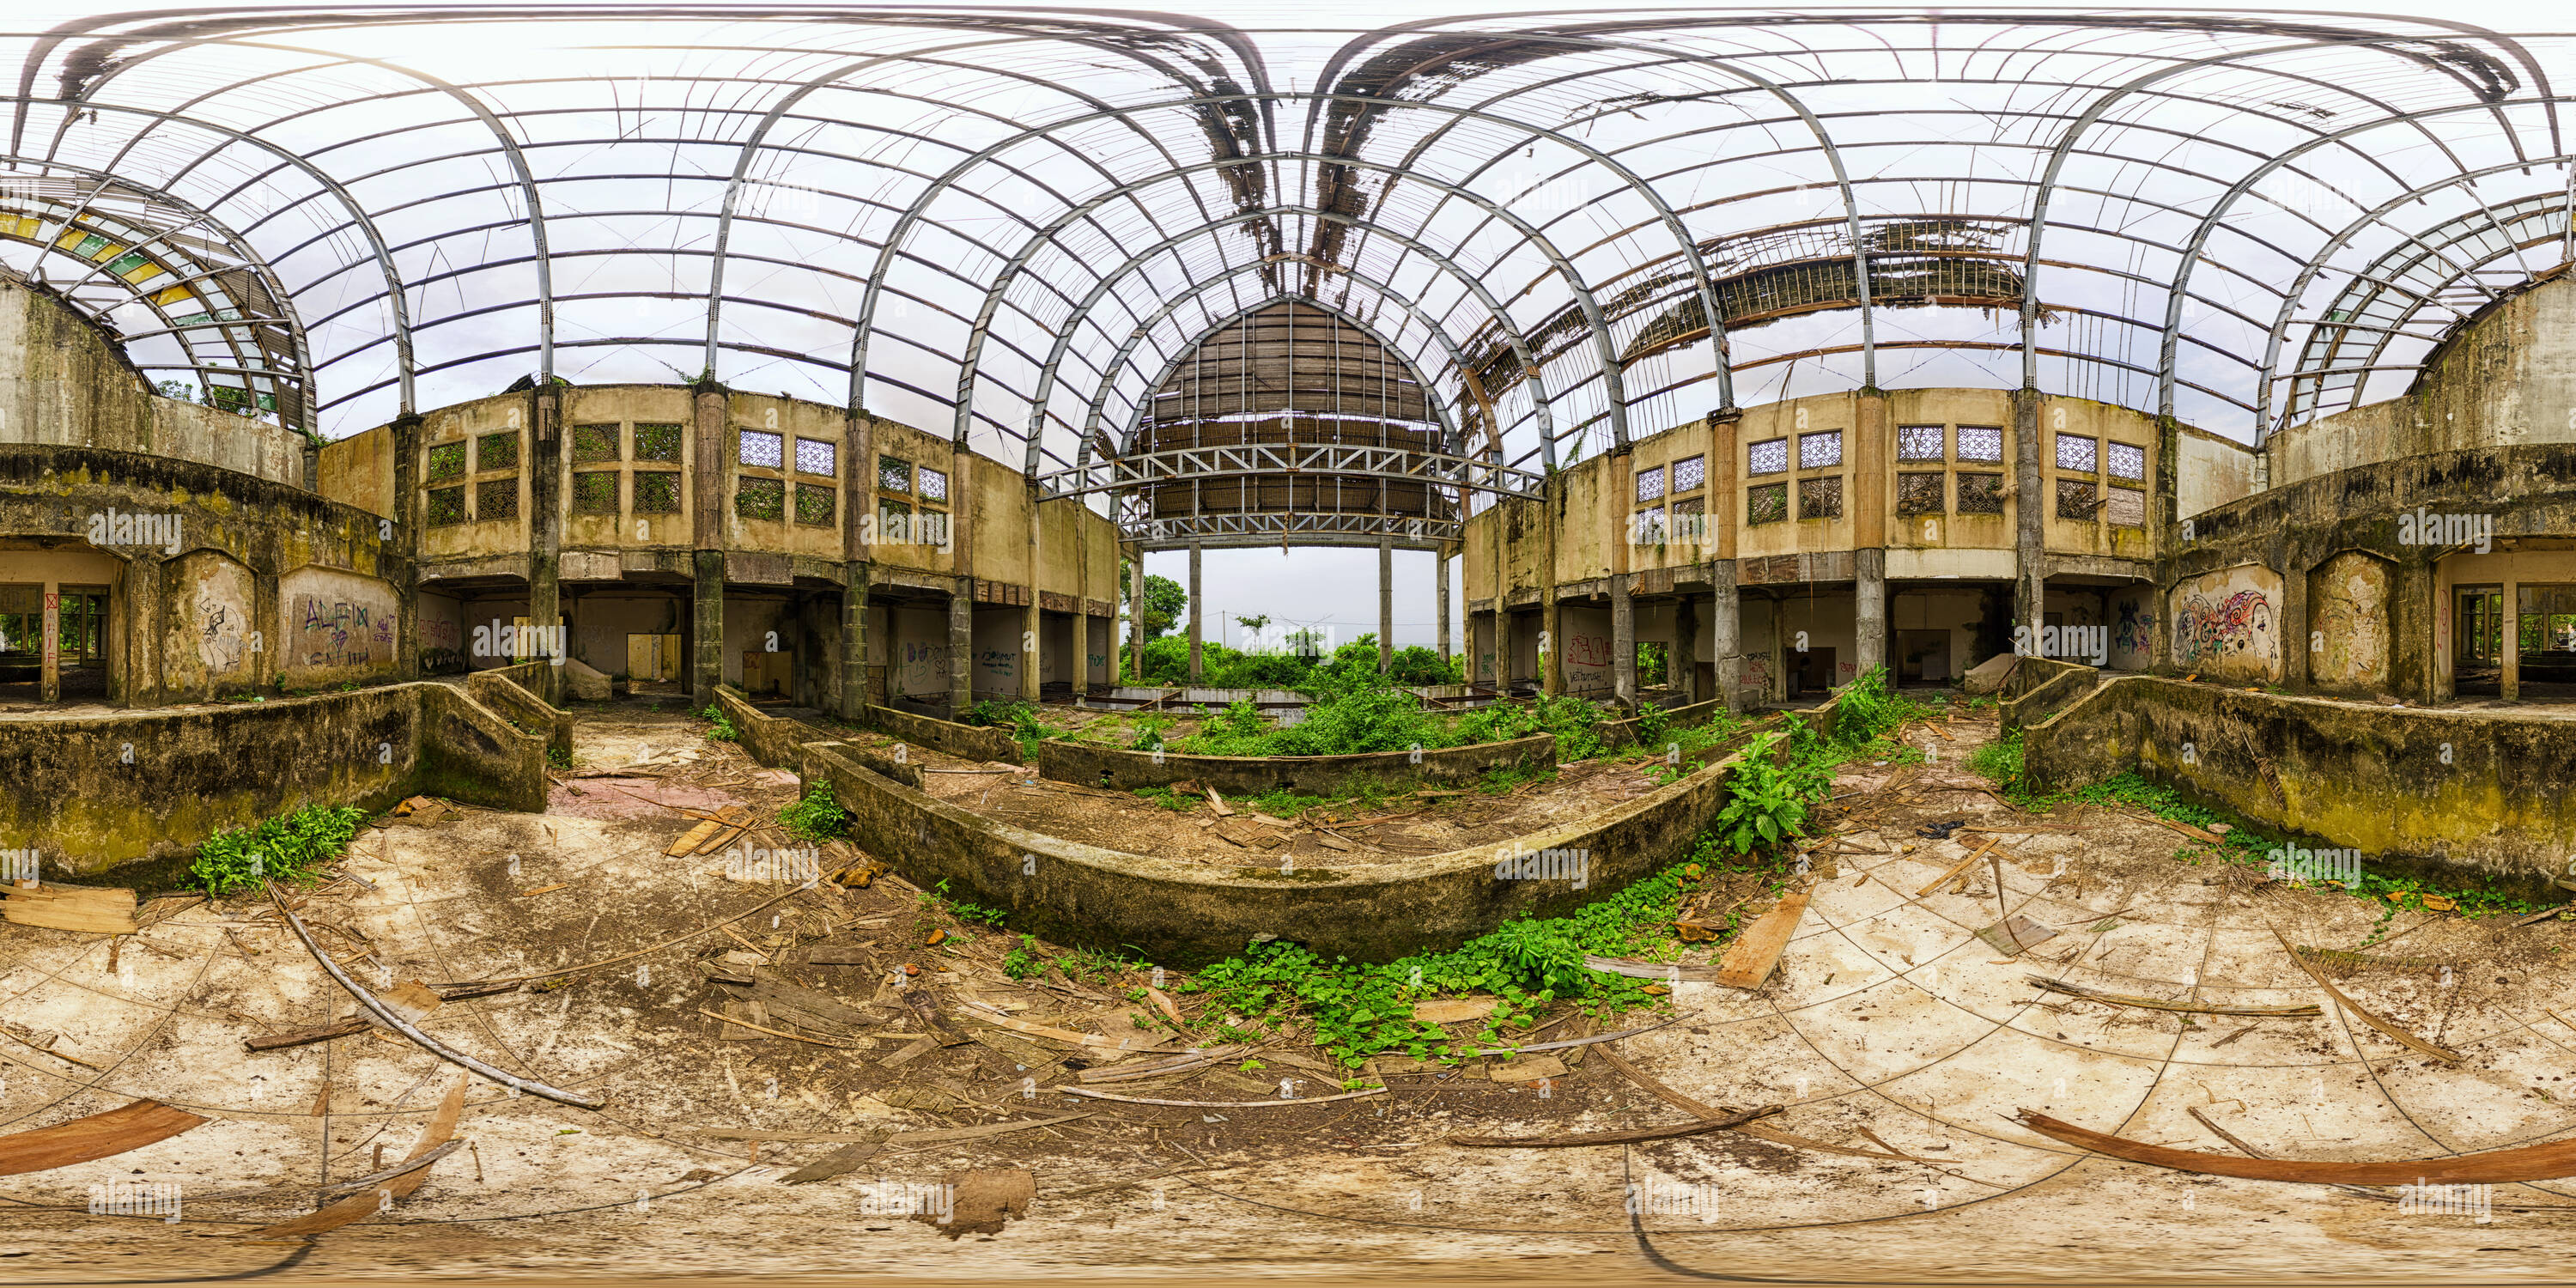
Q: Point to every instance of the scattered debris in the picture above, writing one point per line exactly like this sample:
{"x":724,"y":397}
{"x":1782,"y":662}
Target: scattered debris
{"x":1445,"y":1010}
{"x":1636,"y":1136}
{"x":1091,"y":1094}
{"x":1756,"y":953}
{"x":2496,"y":1167}
{"x":980,"y":1201}
{"x":98,"y":1136}
{"x":88,"y":909}
{"x":2401,"y":1036}
{"x":2015,"y":935}
{"x":440,"y":1129}
{"x":2152,"y":1004}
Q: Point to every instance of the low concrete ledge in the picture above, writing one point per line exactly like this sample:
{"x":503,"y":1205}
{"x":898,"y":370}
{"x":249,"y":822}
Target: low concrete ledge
{"x":2041,"y":687}
{"x":973,"y":742}
{"x":93,"y":793}
{"x":1127,"y":768}
{"x":509,"y":692}
{"x":1188,"y":914}
{"x":1623,"y":733}
{"x":2489,"y":790}
{"x":775,"y":741}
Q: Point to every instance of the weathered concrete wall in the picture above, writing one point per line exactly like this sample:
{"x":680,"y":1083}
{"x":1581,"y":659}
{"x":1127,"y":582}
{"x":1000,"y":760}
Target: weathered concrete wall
{"x":97,"y":792}
{"x":2348,"y":623}
{"x":2506,"y":379}
{"x":2490,"y":790}
{"x":359,"y":470}
{"x":1127,"y":769}
{"x":2213,"y":471}
{"x":335,"y":626}
{"x":974,"y":742}
{"x":2227,"y":624}
{"x":64,"y":383}
{"x":1181,"y":914}
{"x":1623,"y":733}
{"x":775,"y":741}
{"x":2040,"y":687}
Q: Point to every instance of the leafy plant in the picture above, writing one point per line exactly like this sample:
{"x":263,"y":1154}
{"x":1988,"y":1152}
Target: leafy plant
{"x":559,"y":757}
{"x":290,"y":848}
{"x":722,"y":730}
{"x":817,"y":816}
{"x":1024,"y":959}
{"x":1014,"y":716}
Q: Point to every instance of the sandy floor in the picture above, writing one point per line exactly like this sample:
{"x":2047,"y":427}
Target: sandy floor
{"x":1888,"y":1022}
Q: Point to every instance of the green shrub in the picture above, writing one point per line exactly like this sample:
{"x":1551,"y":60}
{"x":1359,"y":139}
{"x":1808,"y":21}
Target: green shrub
{"x":290,"y":848}
{"x":1013,"y":716}
{"x":722,"y":730}
{"x":816,"y":817}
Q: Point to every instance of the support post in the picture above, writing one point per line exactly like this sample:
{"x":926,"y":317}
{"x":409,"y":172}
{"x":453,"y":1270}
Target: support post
{"x":1726,"y":633}
{"x":1681,"y":666}
{"x":2295,"y":657}
{"x":2511,"y":686}
{"x":2030,"y":511}
{"x":1623,"y":643}
{"x":1385,"y":604}
{"x":707,"y":474}
{"x":49,"y":684}
{"x":858,"y":524}
{"x":1869,"y":609}
{"x":408,"y":505}
{"x":544,"y":470}
{"x":1440,"y":597}
{"x":2411,"y":617}
{"x":1195,"y":640}
{"x":1551,"y":644}
{"x":1032,"y":619}
{"x":965,"y":537}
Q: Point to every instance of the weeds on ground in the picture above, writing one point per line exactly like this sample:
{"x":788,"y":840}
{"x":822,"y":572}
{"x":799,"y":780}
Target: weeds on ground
{"x":1177,"y":802}
{"x":936,"y":900}
{"x":818,"y":816}
{"x":722,"y":729}
{"x":290,"y":848}
{"x":558,"y":758}
{"x":1014,"y":717}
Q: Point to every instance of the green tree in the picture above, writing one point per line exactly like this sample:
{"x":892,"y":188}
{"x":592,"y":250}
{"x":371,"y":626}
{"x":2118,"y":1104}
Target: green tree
{"x":1164,"y":600}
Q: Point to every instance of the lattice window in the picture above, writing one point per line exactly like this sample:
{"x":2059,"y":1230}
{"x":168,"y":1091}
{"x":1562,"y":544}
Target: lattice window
{"x":1919,"y":493}
{"x":765,"y":450}
{"x":2075,"y":499}
{"x":2128,"y":507}
{"x":1650,"y":484}
{"x":1821,"y":498}
{"x":657,"y":442}
{"x":496,"y":499}
{"x":1918,"y":442}
{"x":817,"y":456}
{"x":594,"y":443}
{"x":760,"y":499}
{"x":1767,"y":457}
{"x":934,"y":485}
{"x":1690,"y":520}
{"x":497,"y":451}
{"x":1981,"y":493}
{"x":1820,"y":449}
{"x":1646,"y":527}
{"x":2128,"y":461}
{"x":594,"y":492}
{"x":1980,"y":443}
{"x":446,"y":461}
{"x":894,"y":523}
{"x":815,"y":504}
{"x":1689,"y":472}
{"x":656,"y":492}
{"x":447,"y":504}
{"x":894,"y":475}
{"x":1768,"y":503}
{"x":2078,"y":453}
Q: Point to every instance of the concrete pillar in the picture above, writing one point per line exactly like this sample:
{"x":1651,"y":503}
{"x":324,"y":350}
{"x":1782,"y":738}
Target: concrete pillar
{"x":2512,"y":683}
{"x":136,"y":677}
{"x":708,"y":441}
{"x":1776,"y":687}
{"x":1726,"y":633}
{"x":966,"y":538}
{"x":545,"y":470}
{"x":1195,"y":642}
{"x":2410,"y":630}
{"x":1623,"y":643}
{"x":852,"y":703}
{"x":1440,"y":597}
{"x":1032,"y":623}
{"x":1869,"y":609}
{"x":2030,"y":511}
{"x":1682,"y":669}
{"x":49,"y":683}
{"x":404,"y":571}
{"x":1385,"y":603}
{"x":1551,"y":645}
{"x":1135,"y":663}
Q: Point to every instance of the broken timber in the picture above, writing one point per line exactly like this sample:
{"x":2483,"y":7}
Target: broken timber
{"x":2495,"y":1167}
{"x":98,"y":1136}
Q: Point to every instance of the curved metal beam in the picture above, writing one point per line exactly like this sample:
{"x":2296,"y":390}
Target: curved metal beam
{"x":1602,"y":344}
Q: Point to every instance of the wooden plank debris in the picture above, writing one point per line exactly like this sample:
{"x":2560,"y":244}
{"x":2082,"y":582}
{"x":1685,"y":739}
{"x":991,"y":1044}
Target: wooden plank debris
{"x":2073,"y":989}
{"x":101,"y":1135}
{"x":440,"y":1129}
{"x":1755,"y":953}
{"x":2494,"y":1167}
{"x":1957,"y":868}
{"x":1630,"y":1137}
{"x":2015,"y":935}
{"x":95,"y":910}
{"x":1667,"y":972}
{"x":2401,"y":1036}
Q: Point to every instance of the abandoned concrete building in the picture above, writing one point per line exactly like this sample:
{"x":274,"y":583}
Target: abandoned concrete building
{"x":551,"y":446}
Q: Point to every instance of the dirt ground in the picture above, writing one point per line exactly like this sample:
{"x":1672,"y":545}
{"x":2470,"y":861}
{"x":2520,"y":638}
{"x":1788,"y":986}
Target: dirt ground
{"x":1889,"y":1027}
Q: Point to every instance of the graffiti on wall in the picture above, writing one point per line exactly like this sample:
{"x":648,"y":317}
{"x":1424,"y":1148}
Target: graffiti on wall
{"x":2349,"y":598}
{"x":1756,"y":672}
{"x":998,"y":664}
{"x":2225,"y":624}
{"x":2131,"y":633}
{"x":920,"y":667}
{"x":220,"y":641}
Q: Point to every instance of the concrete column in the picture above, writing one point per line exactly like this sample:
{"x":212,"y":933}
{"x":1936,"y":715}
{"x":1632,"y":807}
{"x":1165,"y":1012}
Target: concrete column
{"x":1134,"y":666}
{"x":2512,"y":684}
{"x":966,"y":537}
{"x":708,"y":441}
{"x":545,"y":468}
{"x":1551,"y":623}
{"x":2410,"y":630}
{"x":2030,"y":511}
{"x":404,"y":570}
{"x":1502,"y":599}
{"x":852,"y":703}
{"x":858,"y":524}
{"x":1726,"y":633}
{"x":1032,"y":621}
{"x":1682,"y":669}
{"x":1385,"y":603}
{"x":49,"y":684}
{"x":1623,"y":643}
{"x":1440,"y":597}
{"x":1195,"y":642}
{"x":136,"y":681}
{"x":1776,"y":688}
{"x":1869,"y":609}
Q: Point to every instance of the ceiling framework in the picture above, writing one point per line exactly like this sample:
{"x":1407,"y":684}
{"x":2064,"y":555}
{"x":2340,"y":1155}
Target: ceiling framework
{"x":1556,"y":232}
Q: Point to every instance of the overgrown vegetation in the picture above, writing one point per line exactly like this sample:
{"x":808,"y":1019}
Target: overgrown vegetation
{"x":290,"y":848}
{"x":818,"y":816}
{"x":1014,"y":717}
{"x":721,"y":729}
